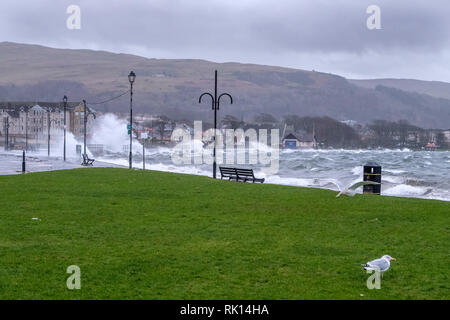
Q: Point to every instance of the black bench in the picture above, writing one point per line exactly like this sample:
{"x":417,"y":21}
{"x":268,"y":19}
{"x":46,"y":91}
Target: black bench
{"x":229,"y":173}
{"x":87,"y":161}
{"x":247,"y":175}
{"x":238,"y":174}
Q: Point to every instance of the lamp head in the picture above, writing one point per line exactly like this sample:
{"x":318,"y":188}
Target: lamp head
{"x":131,"y":77}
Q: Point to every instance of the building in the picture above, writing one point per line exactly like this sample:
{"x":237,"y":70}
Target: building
{"x":431,"y":146}
{"x":298,"y":140}
{"x":35,"y":123}
{"x":350,"y":123}
{"x":29,"y":123}
{"x":446,"y":134}
{"x":77,"y":121}
{"x":290,"y":141}
{"x":10,"y":127}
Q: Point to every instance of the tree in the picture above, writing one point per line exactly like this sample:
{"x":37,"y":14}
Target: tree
{"x":161,"y":125}
{"x":440,"y":140}
{"x":383,"y":133}
{"x":394,"y":134}
{"x":231,"y":122}
{"x":265,"y":118}
{"x":328,"y":131}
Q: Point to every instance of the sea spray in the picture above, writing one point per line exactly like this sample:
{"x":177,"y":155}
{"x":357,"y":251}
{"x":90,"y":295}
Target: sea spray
{"x":231,"y":147}
{"x":111,"y":132}
{"x":71,"y":145}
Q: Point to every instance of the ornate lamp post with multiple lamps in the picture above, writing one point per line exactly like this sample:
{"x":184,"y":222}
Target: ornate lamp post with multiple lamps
{"x":215,"y":106}
{"x":131,"y":79}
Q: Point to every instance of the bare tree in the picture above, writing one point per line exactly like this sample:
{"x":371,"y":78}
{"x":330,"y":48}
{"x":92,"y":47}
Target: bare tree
{"x":265,"y":118}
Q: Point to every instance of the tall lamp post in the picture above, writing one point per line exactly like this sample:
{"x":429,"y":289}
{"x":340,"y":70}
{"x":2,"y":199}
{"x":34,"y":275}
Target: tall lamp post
{"x":144,"y":138}
{"x":26,"y":128}
{"x":6,"y":133}
{"x":65,"y":108}
{"x":131,"y":78}
{"x":215,"y":106}
{"x":87,"y":112}
{"x":26,"y":109}
{"x":48,"y":130}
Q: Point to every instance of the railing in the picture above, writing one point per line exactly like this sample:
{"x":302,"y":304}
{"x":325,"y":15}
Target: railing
{"x":96,"y":149}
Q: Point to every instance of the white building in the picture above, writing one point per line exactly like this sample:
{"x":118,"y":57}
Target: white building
{"x":294,"y":141}
{"x":447,"y":135}
{"x":31,"y":123}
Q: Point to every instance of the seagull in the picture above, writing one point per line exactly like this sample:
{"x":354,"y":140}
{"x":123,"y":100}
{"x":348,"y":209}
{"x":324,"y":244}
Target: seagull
{"x":349,"y":190}
{"x":382,"y":264}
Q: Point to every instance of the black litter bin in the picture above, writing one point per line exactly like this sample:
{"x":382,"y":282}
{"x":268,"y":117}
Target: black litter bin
{"x":372,"y":172}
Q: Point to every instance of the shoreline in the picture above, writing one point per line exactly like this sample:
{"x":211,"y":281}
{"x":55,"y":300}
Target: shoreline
{"x":38,"y":164}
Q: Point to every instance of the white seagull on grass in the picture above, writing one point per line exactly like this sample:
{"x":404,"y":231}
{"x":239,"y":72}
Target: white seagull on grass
{"x":382,"y":265}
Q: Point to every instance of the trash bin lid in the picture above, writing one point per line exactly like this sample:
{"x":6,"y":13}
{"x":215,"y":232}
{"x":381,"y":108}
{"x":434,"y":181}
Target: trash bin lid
{"x":372,"y":164}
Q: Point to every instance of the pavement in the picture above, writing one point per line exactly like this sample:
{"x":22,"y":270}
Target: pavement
{"x":11,"y":163}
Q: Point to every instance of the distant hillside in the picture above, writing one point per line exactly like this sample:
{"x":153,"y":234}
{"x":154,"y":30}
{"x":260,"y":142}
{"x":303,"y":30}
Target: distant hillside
{"x":172,"y":87}
{"x":436,"y":89}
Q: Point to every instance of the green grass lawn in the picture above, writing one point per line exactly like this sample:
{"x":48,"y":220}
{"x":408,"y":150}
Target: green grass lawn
{"x":154,"y":235}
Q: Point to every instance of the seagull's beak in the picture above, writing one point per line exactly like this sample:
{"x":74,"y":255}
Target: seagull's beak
{"x":393,"y":259}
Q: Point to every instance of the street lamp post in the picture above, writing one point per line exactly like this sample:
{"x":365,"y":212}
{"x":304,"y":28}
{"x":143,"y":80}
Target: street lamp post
{"x":65,"y":107}
{"x":143,"y":154}
{"x":131,"y":78}
{"x":87,"y":112}
{"x":48,"y":130}
{"x":215,"y":106}
{"x":6,"y":133}
{"x":26,"y":129}
{"x":144,"y":138}
{"x":25,"y":109}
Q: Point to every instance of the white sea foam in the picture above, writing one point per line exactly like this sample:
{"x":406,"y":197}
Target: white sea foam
{"x":298,"y":182}
{"x":393,"y":179}
{"x":357,"y":171}
{"x":394,"y":171}
{"x":405,"y":190}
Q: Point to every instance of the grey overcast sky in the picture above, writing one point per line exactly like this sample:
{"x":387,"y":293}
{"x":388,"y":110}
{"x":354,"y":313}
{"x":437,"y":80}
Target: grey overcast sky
{"x":325,"y":35}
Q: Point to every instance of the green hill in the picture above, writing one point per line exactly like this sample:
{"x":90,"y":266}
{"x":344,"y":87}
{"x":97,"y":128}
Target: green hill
{"x":172,"y":87}
{"x":436,"y":89}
